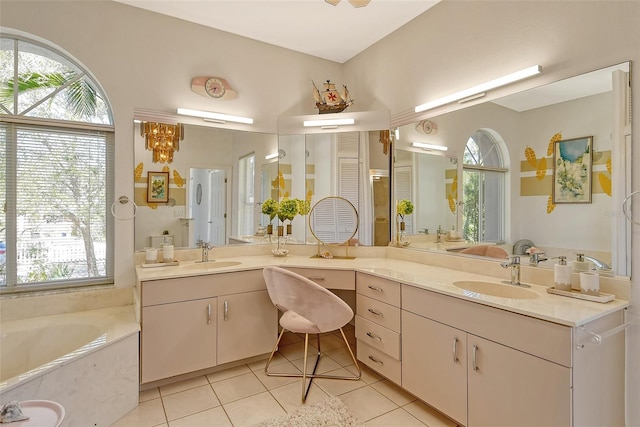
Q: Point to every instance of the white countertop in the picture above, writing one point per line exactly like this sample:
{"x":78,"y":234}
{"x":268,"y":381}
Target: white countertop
{"x":554,"y":308}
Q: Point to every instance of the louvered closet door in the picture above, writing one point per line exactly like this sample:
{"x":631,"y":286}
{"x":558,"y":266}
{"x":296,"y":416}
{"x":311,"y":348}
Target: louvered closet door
{"x":403,"y":190}
{"x":347,"y":188}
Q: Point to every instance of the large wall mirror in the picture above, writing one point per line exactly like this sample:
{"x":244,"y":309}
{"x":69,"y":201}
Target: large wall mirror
{"x":219,"y":179}
{"x":499,"y":180}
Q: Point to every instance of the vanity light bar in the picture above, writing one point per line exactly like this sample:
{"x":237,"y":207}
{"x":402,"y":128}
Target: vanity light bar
{"x":215,"y":116}
{"x":483,"y":87}
{"x":429,"y":146}
{"x":271,"y":156}
{"x":329,"y":122}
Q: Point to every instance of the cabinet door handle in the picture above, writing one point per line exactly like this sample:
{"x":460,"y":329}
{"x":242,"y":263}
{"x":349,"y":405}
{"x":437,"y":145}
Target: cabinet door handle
{"x":370,"y":335}
{"x":208,"y":314}
{"x":226,"y":310}
{"x":373,"y":288}
{"x":372,"y":311}
{"x":475,"y":358}
{"x":455,"y":350}
{"x":379,"y":362}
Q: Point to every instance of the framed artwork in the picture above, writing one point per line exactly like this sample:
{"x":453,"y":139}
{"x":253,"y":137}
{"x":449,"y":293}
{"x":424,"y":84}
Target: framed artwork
{"x":158,"y":187}
{"x":572,"y":160}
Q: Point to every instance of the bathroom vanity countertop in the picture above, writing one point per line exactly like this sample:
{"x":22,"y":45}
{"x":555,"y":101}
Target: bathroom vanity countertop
{"x":554,"y":308}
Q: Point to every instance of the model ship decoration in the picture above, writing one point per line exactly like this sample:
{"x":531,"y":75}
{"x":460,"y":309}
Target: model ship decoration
{"x":330,"y":100}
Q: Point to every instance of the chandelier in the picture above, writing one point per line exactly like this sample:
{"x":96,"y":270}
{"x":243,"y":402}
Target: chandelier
{"x":163,"y":139}
{"x":354,"y":3}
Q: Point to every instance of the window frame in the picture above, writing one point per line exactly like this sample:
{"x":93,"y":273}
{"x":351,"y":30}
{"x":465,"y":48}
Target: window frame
{"x":13,"y":123}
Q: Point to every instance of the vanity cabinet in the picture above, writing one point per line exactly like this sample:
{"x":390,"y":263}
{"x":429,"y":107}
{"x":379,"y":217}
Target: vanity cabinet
{"x":198,"y":322}
{"x":484,"y":366}
{"x":378,"y":325}
{"x":177,"y":338}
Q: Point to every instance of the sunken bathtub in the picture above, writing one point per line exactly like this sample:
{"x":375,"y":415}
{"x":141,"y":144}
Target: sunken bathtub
{"x":87,"y":361}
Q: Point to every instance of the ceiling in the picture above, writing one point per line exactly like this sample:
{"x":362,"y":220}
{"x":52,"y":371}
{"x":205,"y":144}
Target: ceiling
{"x":314,"y":27}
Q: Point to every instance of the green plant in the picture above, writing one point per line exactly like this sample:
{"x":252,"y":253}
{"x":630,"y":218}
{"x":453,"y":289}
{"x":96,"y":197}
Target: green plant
{"x":404,"y":207}
{"x":304,"y":206}
{"x":270,"y":207}
{"x":288,"y":209}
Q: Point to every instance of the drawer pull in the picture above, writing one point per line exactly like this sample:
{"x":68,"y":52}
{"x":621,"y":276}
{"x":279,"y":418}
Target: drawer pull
{"x":370,"y":335}
{"x":372,"y":311}
{"x":455,"y":350}
{"x":475,"y":358}
{"x":373,"y":288}
{"x":379,"y":362}
{"x":208,"y":314}
{"x":315,"y":278}
{"x":226,"y":310}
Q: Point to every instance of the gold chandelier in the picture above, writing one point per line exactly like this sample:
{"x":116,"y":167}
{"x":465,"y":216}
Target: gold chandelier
{"x":163,"y":139}
{"x":354,"y":3}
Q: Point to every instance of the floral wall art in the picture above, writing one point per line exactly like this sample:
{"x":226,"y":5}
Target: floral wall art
{"x":572,"y":159}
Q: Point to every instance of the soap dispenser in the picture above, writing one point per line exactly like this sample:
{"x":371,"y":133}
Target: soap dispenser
{"x":562,"y":275}
{"x":580,"y":264}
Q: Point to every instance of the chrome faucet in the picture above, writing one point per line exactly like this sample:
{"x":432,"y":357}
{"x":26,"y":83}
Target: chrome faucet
{"x":205,"y":251}
{"x":514,"y":263}
{"x":536,"y":258}
{"x":600,"y":265}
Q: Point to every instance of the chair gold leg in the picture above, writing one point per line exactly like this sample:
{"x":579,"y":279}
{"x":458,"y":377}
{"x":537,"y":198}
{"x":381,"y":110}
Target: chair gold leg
{"x":306,"y":387}
{"x":275,"y":348}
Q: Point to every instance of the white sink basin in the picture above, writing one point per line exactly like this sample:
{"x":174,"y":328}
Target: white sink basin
{"x":496,"y":289}
{"x":210,"y":264}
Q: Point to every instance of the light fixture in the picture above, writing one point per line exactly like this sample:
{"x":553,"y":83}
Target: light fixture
{"x":163,"y":139}
{"x":271,"y":156}
{"x":215,"y":117}
{"x":354,"y":3}
{"x":501,"y":81}
{"x":329,"y":122}
{"x":426,"y":146}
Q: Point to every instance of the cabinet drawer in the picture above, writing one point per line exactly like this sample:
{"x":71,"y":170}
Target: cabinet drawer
{"x":540,"y":338}
{"x":330,"y":279}
{"x":378,"y":312}
{"x":378,"y":337}
{"x":165,"y":291}
{"x":380,"y":362}
{"x":378,"y":288}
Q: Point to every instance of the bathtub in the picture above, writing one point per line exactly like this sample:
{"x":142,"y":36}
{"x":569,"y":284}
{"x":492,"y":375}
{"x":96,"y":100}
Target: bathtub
{"x":87,"y":361}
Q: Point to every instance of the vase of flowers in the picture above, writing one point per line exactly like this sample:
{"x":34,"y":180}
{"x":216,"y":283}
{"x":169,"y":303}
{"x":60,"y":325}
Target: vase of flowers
{"x":287,"y":211}
{"x":403,"y":207}
{"x":270,"y":208}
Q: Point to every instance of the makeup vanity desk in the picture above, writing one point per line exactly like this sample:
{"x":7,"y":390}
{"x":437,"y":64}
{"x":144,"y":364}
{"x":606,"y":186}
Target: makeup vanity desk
{"x":494,"y":360}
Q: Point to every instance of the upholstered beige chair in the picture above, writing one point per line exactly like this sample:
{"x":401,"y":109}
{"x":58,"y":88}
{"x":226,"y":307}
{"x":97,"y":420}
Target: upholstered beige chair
{"x":491,"y":251}
{"x":307,"y":308}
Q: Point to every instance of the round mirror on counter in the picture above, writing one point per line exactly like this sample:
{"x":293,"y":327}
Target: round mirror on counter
{"x":333,"y":221}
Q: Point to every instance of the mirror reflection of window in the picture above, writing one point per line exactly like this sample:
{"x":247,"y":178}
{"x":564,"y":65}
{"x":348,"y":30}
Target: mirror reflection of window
{"x":246,"y":199}
{"x":483,"y":178}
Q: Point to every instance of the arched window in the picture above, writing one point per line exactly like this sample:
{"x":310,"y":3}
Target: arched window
{"x":483,"y":177}
{"x":56,"y":170}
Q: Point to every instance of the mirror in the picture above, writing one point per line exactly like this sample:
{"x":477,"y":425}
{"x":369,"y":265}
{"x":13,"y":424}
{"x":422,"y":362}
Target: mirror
{"x":524,"y":126}
{"x":333,"y":221}
{"x":229,"y":168}
{"x":349,"y":163}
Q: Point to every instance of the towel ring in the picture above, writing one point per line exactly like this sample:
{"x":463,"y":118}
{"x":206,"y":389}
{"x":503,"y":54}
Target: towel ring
{"x":124,"y":200}
{"x":628,"y":215}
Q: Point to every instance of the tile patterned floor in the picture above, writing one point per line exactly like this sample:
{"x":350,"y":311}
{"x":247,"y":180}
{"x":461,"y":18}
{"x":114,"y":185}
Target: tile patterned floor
{"x":244,"y":395}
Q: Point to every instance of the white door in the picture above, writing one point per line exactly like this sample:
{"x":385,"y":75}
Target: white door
{"x":217,"y":207}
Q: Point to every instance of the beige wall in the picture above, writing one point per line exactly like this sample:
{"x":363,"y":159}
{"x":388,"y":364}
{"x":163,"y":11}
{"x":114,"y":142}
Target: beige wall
{"x":145,"y":60}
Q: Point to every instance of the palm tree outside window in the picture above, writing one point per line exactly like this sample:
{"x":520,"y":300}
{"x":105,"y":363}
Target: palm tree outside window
{"x":56,"y":170}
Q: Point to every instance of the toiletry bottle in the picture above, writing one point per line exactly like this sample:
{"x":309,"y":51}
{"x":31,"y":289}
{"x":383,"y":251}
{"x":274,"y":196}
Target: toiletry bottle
{"x":562,"y":275}
{"x":580,"y":264}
